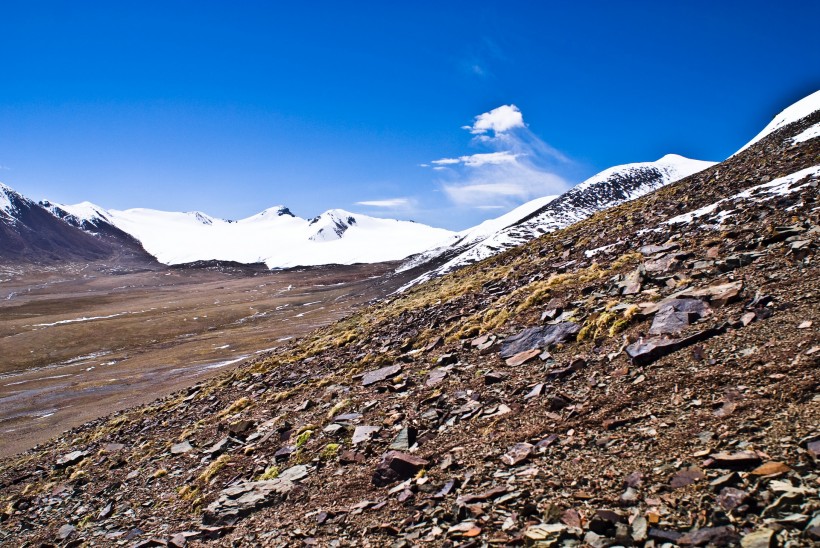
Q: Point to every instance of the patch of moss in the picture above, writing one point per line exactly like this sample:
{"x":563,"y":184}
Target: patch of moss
{"x":329,"y":451}
{"x":271,"y":472}
{"x":303,"y":438}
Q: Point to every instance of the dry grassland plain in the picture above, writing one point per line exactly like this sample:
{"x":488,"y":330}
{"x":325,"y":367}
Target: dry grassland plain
{"x":79,"y":342}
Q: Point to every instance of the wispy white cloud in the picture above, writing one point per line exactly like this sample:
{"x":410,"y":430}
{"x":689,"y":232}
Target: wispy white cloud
{"x":476,"y":160}
{"x":391,"y":203}
{"x":498,"y":120}
{"x":519,"y":166}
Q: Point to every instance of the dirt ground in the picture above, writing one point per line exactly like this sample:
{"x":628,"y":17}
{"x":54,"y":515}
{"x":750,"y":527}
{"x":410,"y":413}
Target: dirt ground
{"x":79,"y":342}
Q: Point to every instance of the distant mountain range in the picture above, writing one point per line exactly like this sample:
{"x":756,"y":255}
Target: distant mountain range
{"x":49,"y":232}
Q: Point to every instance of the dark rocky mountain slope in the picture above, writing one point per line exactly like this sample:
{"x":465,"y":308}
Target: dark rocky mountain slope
{"x":29,"y":233}
{"x":647,"y":376}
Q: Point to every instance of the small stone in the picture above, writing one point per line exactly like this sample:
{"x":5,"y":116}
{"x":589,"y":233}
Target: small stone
{"x":404,"y":440}
{"x":71,"y":459}
{"x":363,"y":433}
{"x":545,"y":531}
{"x":106,"y":511}
{"x":805,"y":325}
{"x":522,"y":357}
{"x":181,"y":448}
{"x":65,"y":531}
{"x":350,"y":457}
{"x":517,"y":454}
{"x":762,"y":538}
{"x":536,"y":391}
{"x":436,"y":376}
{"x":464,"y":529}
{"x":640,"y":529}
{"x":572,"y":518}
{"x":495,"y":377}
{"x":178,"y":541}
{"x":771,"y":468}
{"x":730,"y":498}
{"x":686,"y":477}
{"x":629,"y":496}
{"x":712,"y":536}
{"x":740,"y":459}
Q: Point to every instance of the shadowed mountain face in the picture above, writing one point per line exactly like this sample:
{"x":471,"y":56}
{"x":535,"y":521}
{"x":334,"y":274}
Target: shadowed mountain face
{"x":31,"y":234}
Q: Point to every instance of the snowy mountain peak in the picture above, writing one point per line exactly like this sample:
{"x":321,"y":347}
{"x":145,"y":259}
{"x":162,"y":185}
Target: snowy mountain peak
{"x":792,"y":113}
{"x":271,"y":212}
{"x":331,"y":225}
{"x":83,"y":215}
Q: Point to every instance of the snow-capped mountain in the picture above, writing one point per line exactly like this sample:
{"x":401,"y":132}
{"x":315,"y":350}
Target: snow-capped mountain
{"x":608,"y":188}
{"x":274,"y":236}
{"x":31,"y":233}
{"x":795,"y":112}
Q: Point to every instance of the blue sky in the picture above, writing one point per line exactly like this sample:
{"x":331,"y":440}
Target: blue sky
{"x":230,"y":108}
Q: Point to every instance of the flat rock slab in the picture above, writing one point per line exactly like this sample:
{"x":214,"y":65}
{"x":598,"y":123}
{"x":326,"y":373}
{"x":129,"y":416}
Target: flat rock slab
{"x":739,"y":459}
{"x":538,"y":337}
{"x":181,"y":448}
{"x":522,"y":357}
{"x":363,"y":433}
{"x":517,"y":454}
{"x":372,"y":377}
{"x":645,"y":352}
{"x":677,"y":314}
{"x":70,"y":459}
{"x":242,"y":499}
{"x":436,"y":376}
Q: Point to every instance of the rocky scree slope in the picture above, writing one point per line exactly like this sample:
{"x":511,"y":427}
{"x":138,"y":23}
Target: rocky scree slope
{"x":609,"y":188}
{"x":647,"y":376}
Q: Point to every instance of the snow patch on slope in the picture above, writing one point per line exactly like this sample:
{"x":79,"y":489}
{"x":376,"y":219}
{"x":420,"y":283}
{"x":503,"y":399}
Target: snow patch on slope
{"x":807,"y":134}
{"x":759,"y":193}
{"x":6,"y":207}
{"x":793,"y":113}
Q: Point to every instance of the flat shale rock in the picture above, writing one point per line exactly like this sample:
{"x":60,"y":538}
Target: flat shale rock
{"x":70,"y":459}
{"x":181,"y":448}
{"x":247,"y":496}
{"x":517,"y":454}
{"x":675,"y":315}
{"x":378,"y":375}
{"x":647,"y":351}
{"x":538,"y":337}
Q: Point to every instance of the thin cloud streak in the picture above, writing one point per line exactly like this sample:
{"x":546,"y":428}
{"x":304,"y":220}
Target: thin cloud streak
{"x":393,"y":203}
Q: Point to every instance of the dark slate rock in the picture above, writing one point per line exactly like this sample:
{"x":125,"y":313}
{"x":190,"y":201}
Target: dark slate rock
{"x":397,"y":466}
{"x":645,"y":352}
{"x":538,"y":337}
